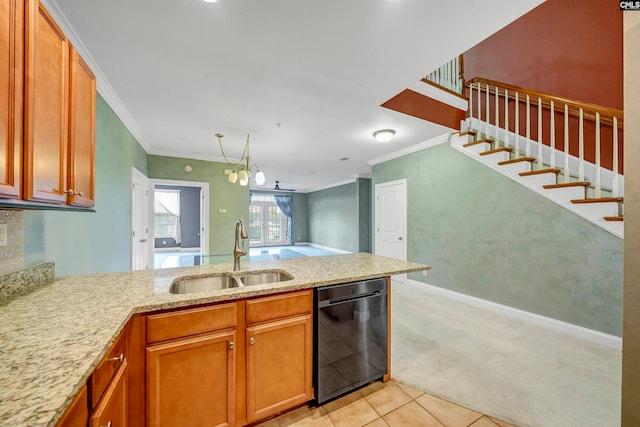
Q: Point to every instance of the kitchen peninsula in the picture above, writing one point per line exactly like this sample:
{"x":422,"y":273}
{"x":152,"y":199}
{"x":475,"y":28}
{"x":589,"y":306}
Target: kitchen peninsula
{"x":56,"y":336}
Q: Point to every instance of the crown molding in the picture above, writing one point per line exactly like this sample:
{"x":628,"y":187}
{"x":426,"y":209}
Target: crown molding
{"x":411,"y":149}
{"x":102,"y":84}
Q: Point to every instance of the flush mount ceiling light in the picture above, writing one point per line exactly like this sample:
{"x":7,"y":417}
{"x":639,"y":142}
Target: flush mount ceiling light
{"x":210,"y":1}
{"x":384,"y":135}
{"x":241,"y":171}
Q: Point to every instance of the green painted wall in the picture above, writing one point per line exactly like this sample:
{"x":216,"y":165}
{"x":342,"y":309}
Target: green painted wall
{"x":364,"y":214}
{"x":80,"y":242}
{"x":490,"y":237}
{"x":222,"y":195}
{"x":338,"y":218}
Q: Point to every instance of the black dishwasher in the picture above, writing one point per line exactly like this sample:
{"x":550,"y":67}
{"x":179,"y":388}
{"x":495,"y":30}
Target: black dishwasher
{"x":350,"y":337}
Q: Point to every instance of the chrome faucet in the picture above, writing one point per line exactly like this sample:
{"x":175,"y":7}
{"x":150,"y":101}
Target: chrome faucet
{"x":241,"y":233}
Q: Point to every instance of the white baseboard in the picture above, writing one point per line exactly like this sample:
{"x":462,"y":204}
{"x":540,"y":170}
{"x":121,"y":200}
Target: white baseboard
{"x":597,"y":337}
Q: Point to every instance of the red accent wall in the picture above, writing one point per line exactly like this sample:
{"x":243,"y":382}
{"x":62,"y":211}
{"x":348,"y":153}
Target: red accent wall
{"x":423,"y":107}
{"x":571,"y":48}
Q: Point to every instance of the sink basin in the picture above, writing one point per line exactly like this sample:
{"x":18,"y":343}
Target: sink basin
{"x":226,"y":281}
{"x":264,"y":277}
{"x":202,"y":284}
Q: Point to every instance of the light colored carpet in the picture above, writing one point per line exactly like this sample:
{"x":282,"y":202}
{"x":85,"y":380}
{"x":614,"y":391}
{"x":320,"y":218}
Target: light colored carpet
{"x":522,"y":373}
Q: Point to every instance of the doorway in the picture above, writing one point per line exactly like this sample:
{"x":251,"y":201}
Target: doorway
{"x":267,"y":224}
{"x":179,"y":222}
{"x":139,"y":220}
{"x":391,"y":221}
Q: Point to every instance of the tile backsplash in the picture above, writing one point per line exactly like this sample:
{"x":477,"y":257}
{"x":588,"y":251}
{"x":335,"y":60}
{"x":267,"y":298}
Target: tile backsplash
{"x":12,"y":255}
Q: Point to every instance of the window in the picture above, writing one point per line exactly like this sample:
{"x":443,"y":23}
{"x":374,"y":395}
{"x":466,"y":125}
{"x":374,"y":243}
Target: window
{"x":167,"y":213}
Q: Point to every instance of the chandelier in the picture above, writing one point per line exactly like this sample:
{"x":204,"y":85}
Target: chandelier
{"x":241,"y":171}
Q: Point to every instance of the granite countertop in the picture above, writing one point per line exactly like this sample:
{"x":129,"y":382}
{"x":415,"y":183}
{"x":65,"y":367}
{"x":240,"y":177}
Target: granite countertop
{"x":53,"y":337}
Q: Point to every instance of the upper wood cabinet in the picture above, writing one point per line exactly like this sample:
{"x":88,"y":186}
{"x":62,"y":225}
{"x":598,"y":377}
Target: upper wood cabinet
{"x":82,"y":131}
{"x":11,"y":89}
{"x":47,"y":111}
{"x":46,"y":107}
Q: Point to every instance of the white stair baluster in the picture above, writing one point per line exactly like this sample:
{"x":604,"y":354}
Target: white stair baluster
{"x":552,"y":137}
{"x":506,"y":118}
{"x":615,"y":184}
{"x":598,"y":184}
{"x":479,"y":108}
{"x":471,"y":100}
{"x":517,"y":128}
{"x":567,"y":175}
{"x":581,"y":147}
{"x":497,"y":118}
{"x":486,"y":125}
{"x":527,"y":151}
{"x":539,"y":133}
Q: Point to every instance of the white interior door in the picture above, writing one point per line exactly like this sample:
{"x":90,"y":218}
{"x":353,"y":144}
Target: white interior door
{"x":391,"y":221}
{"x":139,"y":221}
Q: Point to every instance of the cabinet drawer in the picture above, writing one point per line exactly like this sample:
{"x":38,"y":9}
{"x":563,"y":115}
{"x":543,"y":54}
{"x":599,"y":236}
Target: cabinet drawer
{"x":166,"y":326}
{"x":278,"y":306}
{"x":107,"y":368}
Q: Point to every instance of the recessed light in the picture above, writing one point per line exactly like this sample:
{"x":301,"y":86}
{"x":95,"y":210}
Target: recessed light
{"x":210,"y":1}
{"x":344,"y":159}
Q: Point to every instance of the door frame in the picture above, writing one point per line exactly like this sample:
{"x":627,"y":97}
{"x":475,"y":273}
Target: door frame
{"x":403,"y":187}
{"x":138,"y":177}
{"x":204,"y":210}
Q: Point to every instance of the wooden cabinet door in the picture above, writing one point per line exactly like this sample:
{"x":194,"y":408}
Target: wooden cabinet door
{"x":78,"y":412}
{"x":11,"y":80}
{"x":46,"y":107}
{"x":279,"y":364}
{"x":112,"y":409}
{"x":190,"y":382}
{"x":82,"y":130}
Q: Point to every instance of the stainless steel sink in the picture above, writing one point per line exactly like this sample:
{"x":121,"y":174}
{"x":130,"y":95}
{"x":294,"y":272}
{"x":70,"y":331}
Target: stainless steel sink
{"x":226,"y":281}
{"x":202,"y":284}
{"x":264,"y":277}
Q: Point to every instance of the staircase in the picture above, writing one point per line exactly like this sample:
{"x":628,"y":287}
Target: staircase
{"x":514,"y":131}
{"x":578,"y":196}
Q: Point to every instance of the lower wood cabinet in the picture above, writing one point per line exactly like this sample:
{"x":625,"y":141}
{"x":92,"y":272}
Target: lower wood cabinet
{"x":112,"y":411}
{"x":190,"y":382}
{"x":227,"y":364}
{"x":279,"y":366}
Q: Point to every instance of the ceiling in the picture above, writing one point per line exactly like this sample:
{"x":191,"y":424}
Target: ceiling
{"x":305,"y":78}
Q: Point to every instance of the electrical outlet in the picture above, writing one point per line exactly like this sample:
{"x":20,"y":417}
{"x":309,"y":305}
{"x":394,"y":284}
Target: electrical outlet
{"x":3,"y":234}
{"x":424,"y":272}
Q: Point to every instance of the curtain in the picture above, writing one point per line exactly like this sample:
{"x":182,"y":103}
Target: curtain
{"x":285,"y":203}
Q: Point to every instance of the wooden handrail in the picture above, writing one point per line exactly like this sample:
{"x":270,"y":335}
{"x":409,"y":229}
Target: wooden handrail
{"x":589,"y":109}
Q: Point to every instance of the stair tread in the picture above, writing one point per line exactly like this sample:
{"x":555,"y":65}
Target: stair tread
{"x":540,"y":171}
{"x":480,"y":141}
{"x":566,"y":185}
{"x":521,"y":159}
{"x":614,"y":218}
{"x":468,"y":132}
{"x":497,"y":150}
{"x":600,"y":200}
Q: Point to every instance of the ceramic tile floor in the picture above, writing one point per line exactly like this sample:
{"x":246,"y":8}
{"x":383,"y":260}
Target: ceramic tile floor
{"x":380,"y":405}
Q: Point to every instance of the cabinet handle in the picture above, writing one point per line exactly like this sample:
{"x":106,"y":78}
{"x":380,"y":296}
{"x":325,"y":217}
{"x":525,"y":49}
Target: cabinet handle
{"x":69,"y":192}
{"x":231,"y":345}
{"x":109,"y":424}
{"x":252,"y":340}
{"x":80,"y":194}
{"x":118,"y":358}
